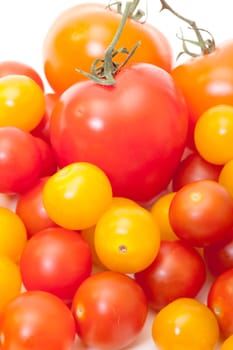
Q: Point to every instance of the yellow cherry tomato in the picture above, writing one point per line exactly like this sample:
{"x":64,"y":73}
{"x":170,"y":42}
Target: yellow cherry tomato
{"x":22,"y":102}
{"x":127,"y":238}
{"x":77,"y":195}
{"x":10,"y":280}
{"x":226,"y":176}
{"x":213,"y":134}
{"x":227,"y":344}
{"x":185,"y":324}
{"x":160,"y":210}
{"x":13,"y":235}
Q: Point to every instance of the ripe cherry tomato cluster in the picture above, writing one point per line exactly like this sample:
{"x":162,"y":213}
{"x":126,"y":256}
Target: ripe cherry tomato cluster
{"x":117,"y":190}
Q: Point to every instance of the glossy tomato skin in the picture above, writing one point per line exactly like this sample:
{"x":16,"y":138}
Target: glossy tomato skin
{"x":20,"y":68}
{"x":110,"y":310}
{"x":20,"y":163}
{"x":194,"y":168}
{"x":206,"y":81}
{"x":36,"y":320}
{"x":61,"y":259}
{"x":220,"y":301}
{"x":87,"y":30}
{"x":177,"y":271}
{"x":30,"y":208}
{"x":134,"y":131}
{"x":219,"y":256}
{"x":48,"y":159}
{"x":201,"y":213}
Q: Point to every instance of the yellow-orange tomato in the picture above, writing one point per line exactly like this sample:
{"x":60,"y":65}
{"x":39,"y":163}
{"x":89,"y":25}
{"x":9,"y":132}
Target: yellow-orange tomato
{"x":226,"y":176}
{"x":22,"y":102}
{"x":82,"y":33}
{"x":10,"y":280}
{"x":185,"y":324}
{"x":13,"y":235}
{"x":77,"y":195}
{"x":127,"y":239}
{"x":160,"y":210}
{"x":227,"y":344}
{"x":213,"y":134}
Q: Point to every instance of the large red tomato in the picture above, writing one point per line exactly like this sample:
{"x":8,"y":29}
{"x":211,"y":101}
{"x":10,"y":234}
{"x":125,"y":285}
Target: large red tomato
{"x":135,"y":131}
{"x":82,"y":33}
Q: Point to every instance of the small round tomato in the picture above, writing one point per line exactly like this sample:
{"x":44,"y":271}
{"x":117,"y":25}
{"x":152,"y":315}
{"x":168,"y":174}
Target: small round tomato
{"x":48,"y":159}
{"x":226,"y":175}
{"x":36,"y":320}
{"x":30,"y":208}
{"x":110,"y":310}
{"x":10,"y":280}
{"x":61,"y":259}
{"x":227,"y":344}
{"x":20,"y":161}
{"x":126,"y":238}
{"x":201,"y":213}
{"x":194,"y":168}
{"x":160,"y":212}
{"x":13,"y":235}
{"x":220,"y":301}
{"x":87,"y":30}
{"x":20,"y":68}
{"x":213,"y":134}
{"x":183,"y":324}
{"x":219,"y":256}
{"x":22,"y":102}
{"x":177,"y":271}
{"x":77,"y":195}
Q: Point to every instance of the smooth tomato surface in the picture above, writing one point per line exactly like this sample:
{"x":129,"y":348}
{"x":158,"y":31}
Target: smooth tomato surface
{"x":206,"y":81}
{"x":82,"y":33}
{"x":20,"y":161}
{"x":61,"y":259}
{"x":201,"y":213}
{"x":134,"y":131}
{"x":220,"y":301}
{"x":36,"y":320}
{"x":110,"y":310}
{"x":183,"y":324}
{"x":177,"y":271}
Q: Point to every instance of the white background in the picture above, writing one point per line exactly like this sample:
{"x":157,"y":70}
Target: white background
{"x":24,"y":23}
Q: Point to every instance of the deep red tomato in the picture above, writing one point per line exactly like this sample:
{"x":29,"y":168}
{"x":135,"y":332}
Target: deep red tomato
{"x":36,"y":320}
{"x":194,"y":168}
{"x":20,"y":161}
{"x":20,"y":68}
{"x":134,"y":131}
{"x":220,"y":301}
{"x":61,"y":259}
{"x":30,"y":208}
{"x":177,"y":271}
{"x":110,"y":310}
{"x":48,"y":159}
{"x":82,"y":33}
{"x":206,"y":81}
{"x":219,"y":256}
{"x":201,"y":213}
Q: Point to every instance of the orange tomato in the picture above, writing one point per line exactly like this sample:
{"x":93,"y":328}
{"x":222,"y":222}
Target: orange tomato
{"x":226,"y":176}
{"x":82,"y":33}
{"x":227,"y":344}
{"x":184,"y":324}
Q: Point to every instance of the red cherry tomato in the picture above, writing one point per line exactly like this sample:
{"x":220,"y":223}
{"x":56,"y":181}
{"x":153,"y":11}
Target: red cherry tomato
{"x":110,"y":310}
{"x":61,"y":259}
{"x":48,"y":159}
{"x":177,"y":271}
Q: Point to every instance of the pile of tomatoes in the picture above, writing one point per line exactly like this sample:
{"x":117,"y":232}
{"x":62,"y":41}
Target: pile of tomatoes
{"x":116,"y":189}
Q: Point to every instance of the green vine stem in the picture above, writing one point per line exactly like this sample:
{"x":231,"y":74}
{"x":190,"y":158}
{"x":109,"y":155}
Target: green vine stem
{"x":206,"y":46}
{"x":104,"y":69}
